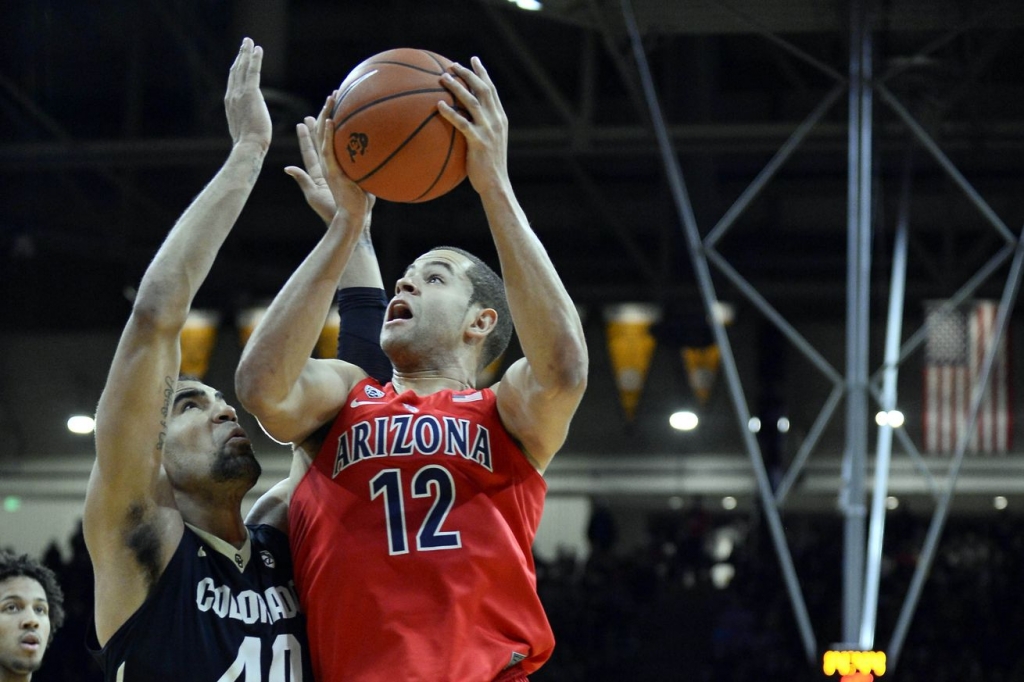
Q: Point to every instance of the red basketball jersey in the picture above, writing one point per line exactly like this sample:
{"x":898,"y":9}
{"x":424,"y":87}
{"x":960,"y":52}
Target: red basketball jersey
{"x":412,"y":536}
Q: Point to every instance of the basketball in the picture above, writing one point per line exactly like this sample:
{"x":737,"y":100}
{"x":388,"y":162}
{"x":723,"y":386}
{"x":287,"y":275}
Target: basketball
{"x":389,"y":137}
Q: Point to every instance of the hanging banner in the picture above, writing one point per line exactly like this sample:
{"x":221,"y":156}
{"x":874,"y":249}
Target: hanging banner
{"x":630,"y":347}
{"x":702,"y":369}
{"x":246,"y":321}
{"x":489,"y":374}
{"x":957,"y":341}
{"x":327,"y":344}
{"x":198,"y":337}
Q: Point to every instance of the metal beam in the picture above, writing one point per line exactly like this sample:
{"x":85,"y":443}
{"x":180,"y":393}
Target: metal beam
{"x":702,"y":269}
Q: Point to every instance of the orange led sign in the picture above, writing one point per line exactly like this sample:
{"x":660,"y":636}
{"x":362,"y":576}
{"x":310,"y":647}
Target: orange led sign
{"x":854,"y":666}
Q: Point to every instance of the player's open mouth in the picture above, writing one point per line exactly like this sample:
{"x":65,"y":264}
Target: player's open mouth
{"x":399,"y":311}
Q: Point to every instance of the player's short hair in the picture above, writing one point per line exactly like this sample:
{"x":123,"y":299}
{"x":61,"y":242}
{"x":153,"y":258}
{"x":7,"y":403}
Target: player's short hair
{"x":489,"y":291}
{"x":16,"y":566}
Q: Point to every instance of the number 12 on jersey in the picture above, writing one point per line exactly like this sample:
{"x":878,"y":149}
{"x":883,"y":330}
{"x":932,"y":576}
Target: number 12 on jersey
{"x":431,"y":481}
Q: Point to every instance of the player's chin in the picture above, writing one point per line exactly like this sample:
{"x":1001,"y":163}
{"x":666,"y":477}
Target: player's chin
{"x":239,"y":468}
{"x":28,"y":664}
{"x":239,"y":445}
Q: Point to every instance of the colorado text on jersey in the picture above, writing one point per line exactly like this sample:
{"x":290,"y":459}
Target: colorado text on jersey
{"x":249,"y":606}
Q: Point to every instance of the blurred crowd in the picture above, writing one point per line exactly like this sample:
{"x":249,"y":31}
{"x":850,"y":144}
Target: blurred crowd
{"x":704,"y":599}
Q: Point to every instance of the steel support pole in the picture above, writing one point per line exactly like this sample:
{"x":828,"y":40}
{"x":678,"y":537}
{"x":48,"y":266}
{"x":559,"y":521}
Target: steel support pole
{"x":852,"y":495}
{"x":703,"y":274}
{"x":924,"y":563}
{"x":894,"y":329}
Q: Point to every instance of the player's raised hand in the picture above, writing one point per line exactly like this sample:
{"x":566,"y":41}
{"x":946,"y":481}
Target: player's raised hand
{"x":247,"y":113}
{"x":349,"y":197}
{"x":485,"y":127}
{"x":311,"y":179}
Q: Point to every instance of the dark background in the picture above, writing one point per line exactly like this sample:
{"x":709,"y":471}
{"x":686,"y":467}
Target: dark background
{"x":113,"y":120}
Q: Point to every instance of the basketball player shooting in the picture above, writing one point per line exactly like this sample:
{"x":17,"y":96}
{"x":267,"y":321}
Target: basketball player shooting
{"x":413,"y":517}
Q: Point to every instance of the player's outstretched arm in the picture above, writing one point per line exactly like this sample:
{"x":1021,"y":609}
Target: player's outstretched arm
{"x":538,"y":394}
{"x":276,"y":380}
{"x":361,"y":304}
{"x":130,"y":521}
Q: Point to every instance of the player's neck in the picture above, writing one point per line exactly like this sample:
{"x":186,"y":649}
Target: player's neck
{"x":427,"y":382}
{"x":224,"y":522}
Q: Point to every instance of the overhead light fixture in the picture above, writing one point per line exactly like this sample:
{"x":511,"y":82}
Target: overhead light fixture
{"x":729,"y":502}
{"x":81,"y":424}
{"x":1000,"y":502}
{"x":684,"y":420}
{"x":531,"y":5}
{"x":893,"y":418}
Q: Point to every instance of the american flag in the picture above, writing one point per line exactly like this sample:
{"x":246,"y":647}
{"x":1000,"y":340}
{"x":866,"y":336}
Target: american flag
{"x":958,"y":339}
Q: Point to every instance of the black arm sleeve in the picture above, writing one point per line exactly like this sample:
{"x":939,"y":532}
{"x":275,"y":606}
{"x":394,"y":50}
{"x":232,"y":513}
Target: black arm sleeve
{"x":362,"y":315}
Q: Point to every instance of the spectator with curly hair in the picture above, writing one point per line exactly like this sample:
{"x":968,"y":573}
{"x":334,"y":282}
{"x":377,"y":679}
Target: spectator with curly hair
{"x":31,"y":611}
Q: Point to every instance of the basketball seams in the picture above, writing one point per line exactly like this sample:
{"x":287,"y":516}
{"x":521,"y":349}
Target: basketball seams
{"x":400,"y":147}
{"x":421,"y":69}
{"x":381,"y":100}
{"x":444,"y":166}
{"x":388,"y":106}
{"x":435,"y":58}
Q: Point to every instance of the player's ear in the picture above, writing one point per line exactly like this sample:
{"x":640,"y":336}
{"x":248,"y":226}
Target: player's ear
{"x":484,"y":322}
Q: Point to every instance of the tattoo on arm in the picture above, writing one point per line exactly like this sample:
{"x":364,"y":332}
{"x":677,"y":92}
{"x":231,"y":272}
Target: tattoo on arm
{"x":169,"y":383}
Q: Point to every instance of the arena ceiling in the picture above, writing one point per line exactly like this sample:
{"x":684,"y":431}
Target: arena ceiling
{"x":113,"y":121}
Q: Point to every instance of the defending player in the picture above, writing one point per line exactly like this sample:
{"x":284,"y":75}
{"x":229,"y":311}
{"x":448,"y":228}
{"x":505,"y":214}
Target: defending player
{"x":184,"y":589}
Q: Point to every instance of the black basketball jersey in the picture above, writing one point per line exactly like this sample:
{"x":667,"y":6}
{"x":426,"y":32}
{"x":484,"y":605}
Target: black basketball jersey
{"x":217,"y":614}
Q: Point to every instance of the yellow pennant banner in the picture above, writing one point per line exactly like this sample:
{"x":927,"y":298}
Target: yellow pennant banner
{"x":630,"y":347}
{"x":702,"y":369}
{"x":489,"y":374}
{"x":247,"y":320}
{"x":327,"y":344}
{"x":198,"y":337}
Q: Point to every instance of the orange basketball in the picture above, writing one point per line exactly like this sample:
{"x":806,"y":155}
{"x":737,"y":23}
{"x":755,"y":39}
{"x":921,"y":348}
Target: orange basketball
{"x":390,"y":138}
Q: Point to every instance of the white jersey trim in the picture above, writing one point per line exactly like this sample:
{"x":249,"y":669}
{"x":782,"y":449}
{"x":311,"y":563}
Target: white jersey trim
{"x":239,"y":557}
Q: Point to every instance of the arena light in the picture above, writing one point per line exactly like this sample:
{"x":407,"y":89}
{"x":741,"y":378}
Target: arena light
{"x":81,"y":424}
{"x":722,"y":574}
{"x":754,"y":424}
{"x":783,"y":425}
{"x":1000,"y":502}
{"x":529,"y":5}
{"x":729,"y":502}
{"x":684,"y":420}
{"x":893,"y":418}
{"x":892,"y":502}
